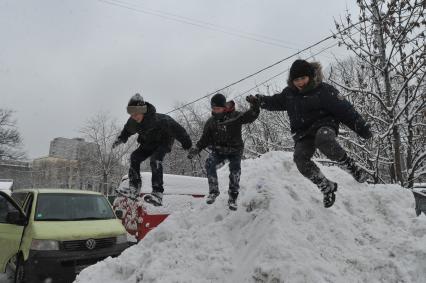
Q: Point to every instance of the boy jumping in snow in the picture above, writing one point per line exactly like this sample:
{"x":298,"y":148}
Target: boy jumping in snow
{"x":157,"y":133}
{"x":222,"y":134}
{"x":315,"y":110}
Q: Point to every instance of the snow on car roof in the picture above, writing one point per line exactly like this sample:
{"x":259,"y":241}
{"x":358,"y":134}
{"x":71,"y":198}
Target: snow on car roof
{"x":6,"y":184}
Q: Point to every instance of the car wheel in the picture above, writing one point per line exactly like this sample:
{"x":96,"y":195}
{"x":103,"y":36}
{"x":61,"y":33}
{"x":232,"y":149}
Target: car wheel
{"x":20,"y":271}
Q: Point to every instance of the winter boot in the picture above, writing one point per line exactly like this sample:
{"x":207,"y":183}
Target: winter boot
{"x":130,"y":191}
{"x":350,"y":166}
{"x":232,"y":201}
{"x":232,"y":204}
{"x":212,"y":197}
{"x":328,"y":188}
{"x":155,"y":198}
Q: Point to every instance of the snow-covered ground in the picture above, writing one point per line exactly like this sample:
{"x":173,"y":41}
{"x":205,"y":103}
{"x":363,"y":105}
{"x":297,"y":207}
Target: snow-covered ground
{"x":281,"y":233}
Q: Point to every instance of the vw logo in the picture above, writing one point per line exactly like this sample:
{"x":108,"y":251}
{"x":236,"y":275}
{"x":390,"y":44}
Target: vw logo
{"x":90,"y":244}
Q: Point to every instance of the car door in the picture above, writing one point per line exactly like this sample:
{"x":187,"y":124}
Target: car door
{"x":12,"y":223}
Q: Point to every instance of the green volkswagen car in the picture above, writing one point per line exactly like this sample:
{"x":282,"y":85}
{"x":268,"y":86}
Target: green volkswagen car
{"x":52,"y":234}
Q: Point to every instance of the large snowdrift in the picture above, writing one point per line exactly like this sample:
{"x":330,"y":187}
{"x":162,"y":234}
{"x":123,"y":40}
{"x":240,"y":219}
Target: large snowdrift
{"x":281,"y":233}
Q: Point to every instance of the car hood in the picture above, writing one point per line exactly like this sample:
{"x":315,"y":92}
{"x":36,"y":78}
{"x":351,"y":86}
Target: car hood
{"x":76,"y":230}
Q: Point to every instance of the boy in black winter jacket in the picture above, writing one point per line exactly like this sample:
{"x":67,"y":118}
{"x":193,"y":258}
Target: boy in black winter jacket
{"x":222,"y":134}
{"x":315,"y":110}
{"x":156,"y":135}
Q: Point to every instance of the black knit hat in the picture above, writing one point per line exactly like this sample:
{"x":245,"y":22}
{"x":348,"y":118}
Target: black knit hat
{"x":218,"y":100}
{"x":301,"y":68}
{"x":136,"y":105}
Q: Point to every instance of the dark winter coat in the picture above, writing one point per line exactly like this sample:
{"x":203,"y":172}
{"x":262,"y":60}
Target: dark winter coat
{"x":223,"y":135}
{"x":156,"y":130}
{"x":317,"y":106}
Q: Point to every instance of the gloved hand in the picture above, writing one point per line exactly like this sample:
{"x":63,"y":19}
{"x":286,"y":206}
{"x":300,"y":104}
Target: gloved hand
{"x":117,"y":142}
{"x":365,"y":132}
{"x":193,"y":152}
{"x":254,"y":100}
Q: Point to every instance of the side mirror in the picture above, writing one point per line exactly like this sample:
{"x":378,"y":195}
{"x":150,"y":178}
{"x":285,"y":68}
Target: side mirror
{"x":16,"y":217}
{"x":119,"y":214}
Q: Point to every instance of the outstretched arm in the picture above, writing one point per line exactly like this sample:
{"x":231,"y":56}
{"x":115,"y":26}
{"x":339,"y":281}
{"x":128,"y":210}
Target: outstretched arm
{"x":124,"y":135}
{"x":246,"y":117}
{"x":179,"y":133}
{"x":250,"y":115}
{"x":276,"y":102}
{"x":344,"y":111}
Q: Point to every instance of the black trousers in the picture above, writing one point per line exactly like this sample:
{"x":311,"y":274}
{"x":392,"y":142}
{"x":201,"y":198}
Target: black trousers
{"x":156,"y":162}
{"x":325,"y":140}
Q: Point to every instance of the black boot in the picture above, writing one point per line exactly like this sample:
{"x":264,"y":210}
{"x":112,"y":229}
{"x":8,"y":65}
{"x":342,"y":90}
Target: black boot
{"x":350,"y":166}
{"x":130,"y":191}
{"x":155,"y":198}
{"x":212,"y":197}
{"x":232,"y":201}
{"x":328,"y":188}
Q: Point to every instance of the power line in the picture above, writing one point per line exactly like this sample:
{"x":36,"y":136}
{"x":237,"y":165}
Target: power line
{"x":283,"y":72}
{"x":220,"y":26}
{"x":187,"y":21}
{"x":206,"y":25}
{"x":261,"y":70}
{"x":200,"y":24}
{"x":248,"y":76}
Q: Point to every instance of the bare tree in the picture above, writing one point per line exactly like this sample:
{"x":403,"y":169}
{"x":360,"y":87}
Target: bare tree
{"x":103,"y":161}
{"x":10,"y":139}
{"x":387,"y":78}
{"x":192,"y":118}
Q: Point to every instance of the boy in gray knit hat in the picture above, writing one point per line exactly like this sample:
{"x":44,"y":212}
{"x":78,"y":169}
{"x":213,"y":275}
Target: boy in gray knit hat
{"x":156,"y":135}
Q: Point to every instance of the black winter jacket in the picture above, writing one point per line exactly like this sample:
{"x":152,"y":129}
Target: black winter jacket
{"x":224,"y":135}
{"x":156,"y":130}
{"x":320,"y":106}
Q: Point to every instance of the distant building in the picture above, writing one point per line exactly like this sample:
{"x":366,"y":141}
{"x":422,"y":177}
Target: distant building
{"x":18,"y":171}
{"x":66,"y":166}
{"x":71,"y":149}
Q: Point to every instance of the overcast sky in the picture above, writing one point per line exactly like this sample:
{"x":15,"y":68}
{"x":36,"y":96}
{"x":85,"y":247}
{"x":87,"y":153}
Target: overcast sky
{"x":62,"y":61}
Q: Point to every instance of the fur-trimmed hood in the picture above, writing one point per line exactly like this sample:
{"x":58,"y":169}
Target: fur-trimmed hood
{"x":318,"y":75}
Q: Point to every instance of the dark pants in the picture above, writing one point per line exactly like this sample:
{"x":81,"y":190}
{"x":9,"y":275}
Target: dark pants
{"x":216,"y":158}
{"x":325,"y":141}
{"x":156,"y":162}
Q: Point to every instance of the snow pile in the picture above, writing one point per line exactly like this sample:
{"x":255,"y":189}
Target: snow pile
{"x":281,"y":233}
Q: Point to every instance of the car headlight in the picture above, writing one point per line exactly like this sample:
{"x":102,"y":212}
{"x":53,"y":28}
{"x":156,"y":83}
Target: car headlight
{"x":44,"y":245}
{"x":121,"y":239}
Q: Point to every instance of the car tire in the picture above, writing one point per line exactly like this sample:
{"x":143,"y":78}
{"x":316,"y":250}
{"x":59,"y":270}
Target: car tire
{"x":20,"y":270}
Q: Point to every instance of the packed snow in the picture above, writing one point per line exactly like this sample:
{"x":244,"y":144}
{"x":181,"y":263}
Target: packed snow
{"x":281,"y":233}
{"x":6,"y":186}
{"x":178,"y":194}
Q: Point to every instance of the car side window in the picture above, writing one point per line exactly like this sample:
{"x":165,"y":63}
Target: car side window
{"x":19,"y":198}
{"x":5,"y":208}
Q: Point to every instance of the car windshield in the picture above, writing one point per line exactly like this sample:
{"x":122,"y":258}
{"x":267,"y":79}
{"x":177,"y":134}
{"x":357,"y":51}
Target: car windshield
{"x":72,"y":207}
